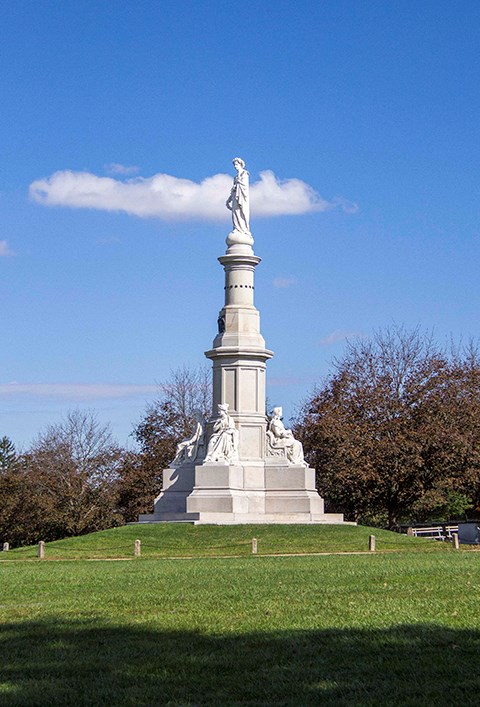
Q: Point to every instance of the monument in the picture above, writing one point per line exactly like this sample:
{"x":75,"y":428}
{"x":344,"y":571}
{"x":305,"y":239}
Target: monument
{"x":238,"y":466}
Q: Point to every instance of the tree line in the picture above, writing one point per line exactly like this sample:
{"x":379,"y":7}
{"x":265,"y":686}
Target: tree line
{"x":393,"y":433}
{"x":76,"y":479}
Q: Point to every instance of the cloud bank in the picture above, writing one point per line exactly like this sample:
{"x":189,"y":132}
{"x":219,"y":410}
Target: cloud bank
{"x":75,"y":391}
{"x":171,"y":198}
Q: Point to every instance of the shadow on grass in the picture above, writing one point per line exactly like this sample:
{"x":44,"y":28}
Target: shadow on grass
{"x":83,"y":663}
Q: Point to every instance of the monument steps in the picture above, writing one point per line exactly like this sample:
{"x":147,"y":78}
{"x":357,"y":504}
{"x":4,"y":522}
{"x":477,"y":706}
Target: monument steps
{"x":244,"y":519}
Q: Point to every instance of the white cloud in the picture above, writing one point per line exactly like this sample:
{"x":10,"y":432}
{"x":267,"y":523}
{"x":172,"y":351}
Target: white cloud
{"x":76,"y":391}
{"x":116,"y":168}
{"x":336,"y":336}
{"x":274,"y":197}
{"x":5,"y":250}
{"x":283,"y":282}
{"x":171,"y":198}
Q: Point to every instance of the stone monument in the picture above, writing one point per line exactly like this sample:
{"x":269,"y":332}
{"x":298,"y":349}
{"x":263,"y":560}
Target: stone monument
{"x":239,"y":467}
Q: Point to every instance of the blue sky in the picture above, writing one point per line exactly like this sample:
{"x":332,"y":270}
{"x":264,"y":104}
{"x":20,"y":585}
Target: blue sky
{"x":374,"y":106}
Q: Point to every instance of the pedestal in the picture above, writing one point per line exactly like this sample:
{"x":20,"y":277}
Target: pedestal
{"x":171,"y":504}
{"x":234,"y":494}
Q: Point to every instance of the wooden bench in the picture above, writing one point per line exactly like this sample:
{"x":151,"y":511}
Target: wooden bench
{"x":433,"y":533}
{"x":436,"y":532}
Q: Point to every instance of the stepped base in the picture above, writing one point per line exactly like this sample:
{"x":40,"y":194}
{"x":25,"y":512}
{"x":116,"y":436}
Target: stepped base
{"x":237,"y":519}
{"x":215,"y":493}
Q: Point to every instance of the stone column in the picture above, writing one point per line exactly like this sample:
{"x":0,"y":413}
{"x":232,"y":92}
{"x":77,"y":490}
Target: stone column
{"x":239,"y":354}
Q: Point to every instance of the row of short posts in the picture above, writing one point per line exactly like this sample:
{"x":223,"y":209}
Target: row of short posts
{"x":372,"y":546}
{"x":137,"y":551}
{"x":138,"y":546}
{"x":41,"y":549}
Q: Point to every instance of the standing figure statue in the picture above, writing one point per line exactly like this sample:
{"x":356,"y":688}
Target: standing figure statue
{"x":223,"y":444}
{"x":187,"y":451}
{"x":281,"y":442}
{"x":239,"y":204}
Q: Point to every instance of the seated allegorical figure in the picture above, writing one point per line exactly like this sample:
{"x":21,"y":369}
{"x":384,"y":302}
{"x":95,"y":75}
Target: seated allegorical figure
{"x":223,"y":444}
{"x":187,"y":451}
{"x":281,"y":442}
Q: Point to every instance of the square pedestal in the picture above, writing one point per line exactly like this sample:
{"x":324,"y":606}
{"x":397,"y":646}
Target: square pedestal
{"x":223,"y":494}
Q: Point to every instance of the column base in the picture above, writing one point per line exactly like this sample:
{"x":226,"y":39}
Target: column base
{"x":216,"y":493}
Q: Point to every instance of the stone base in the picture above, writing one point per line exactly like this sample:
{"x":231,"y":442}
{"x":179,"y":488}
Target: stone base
{"x":171,"y":504}
{"x":215,"y":493}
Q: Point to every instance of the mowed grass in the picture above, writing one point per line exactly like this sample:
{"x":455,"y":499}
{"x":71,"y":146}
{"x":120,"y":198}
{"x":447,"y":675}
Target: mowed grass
{"x":399,"y":628}
{"x":186,"y":540}
{"x":391,"y":629}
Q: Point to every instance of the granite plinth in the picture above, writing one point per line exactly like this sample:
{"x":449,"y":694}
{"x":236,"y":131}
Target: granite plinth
{"x":236,"y":494}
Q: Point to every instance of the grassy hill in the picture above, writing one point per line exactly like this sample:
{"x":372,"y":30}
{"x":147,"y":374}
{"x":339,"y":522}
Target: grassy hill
{"x":185,"y":540}
{"x":399,"y":627}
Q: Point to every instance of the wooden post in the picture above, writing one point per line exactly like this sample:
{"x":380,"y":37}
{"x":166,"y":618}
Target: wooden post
{"x":41,"y":550}
{"x":6,"y":547}
{"x":254,"y":546}
{"x":371,"y":543}
{"x":456,"y":545}
{"x":138,"y":548}
{"x":409,"y":531}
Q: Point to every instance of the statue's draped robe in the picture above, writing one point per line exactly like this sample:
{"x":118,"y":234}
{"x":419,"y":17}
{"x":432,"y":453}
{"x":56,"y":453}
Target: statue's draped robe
{"x":223,"y":444}
{"x":240,"y":203}
{"x":188,"y":449}
{"x":284,"y":438}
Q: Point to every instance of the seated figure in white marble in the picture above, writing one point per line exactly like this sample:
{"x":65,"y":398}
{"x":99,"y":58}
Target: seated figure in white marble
{"x":223,"y":444}
{"x":281,"y":442}
{"x":188,"y":450}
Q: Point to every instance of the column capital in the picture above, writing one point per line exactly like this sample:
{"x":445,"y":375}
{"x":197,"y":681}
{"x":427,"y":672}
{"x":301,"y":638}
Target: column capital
{"x":239,"y":259}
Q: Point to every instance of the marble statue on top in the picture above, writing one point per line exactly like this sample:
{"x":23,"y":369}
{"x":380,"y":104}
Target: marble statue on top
{"x":281,"y":442}
{"x":238,"y":203}
{"x":188,"y":450}
{"x":223,"y":444}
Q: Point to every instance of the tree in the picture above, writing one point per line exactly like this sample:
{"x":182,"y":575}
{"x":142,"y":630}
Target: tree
{"x":168,"y":420}
{"x":138,"y":484}
{"x":15,"y":521}
{"x":72,"y":471}
{"x":8,"y":455}
{"x":462,"y":426}
{"x":377,"y":430}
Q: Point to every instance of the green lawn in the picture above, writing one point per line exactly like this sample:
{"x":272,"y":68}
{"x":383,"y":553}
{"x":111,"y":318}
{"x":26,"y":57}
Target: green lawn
{"x":399,"y":628}
{"x":186,"y":540}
